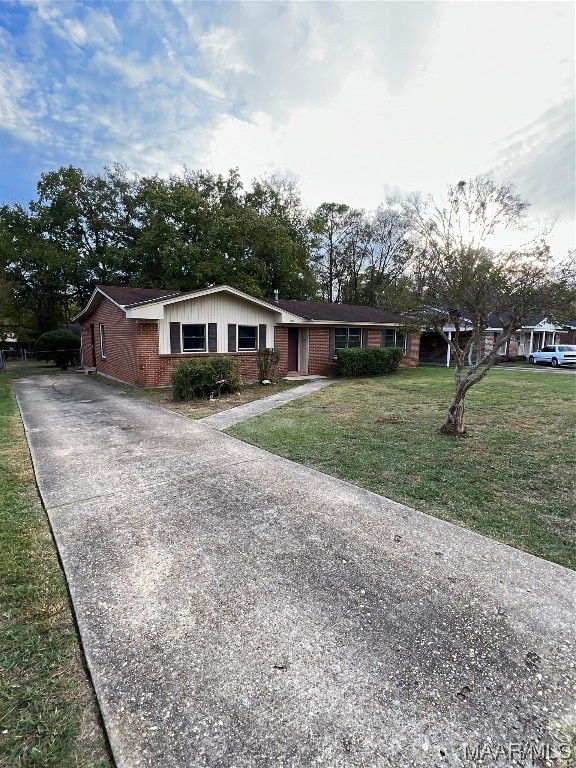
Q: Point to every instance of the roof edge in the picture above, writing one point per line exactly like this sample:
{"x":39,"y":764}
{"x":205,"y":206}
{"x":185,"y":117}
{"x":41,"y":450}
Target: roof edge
{"x":173,"y":299}
{"x":87,"y":309}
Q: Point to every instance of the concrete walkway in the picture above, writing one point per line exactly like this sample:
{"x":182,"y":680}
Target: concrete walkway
{"x":239,"y":610}
{"x":233,"y":416}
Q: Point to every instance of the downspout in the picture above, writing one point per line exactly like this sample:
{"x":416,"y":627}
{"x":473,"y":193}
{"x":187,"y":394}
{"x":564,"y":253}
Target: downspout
{"x":448,"y":350}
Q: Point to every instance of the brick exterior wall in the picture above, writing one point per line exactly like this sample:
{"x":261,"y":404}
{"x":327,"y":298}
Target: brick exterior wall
{"x":152,"y":372}
{"x":156,"y":370}
{"x":319,"y":362}
{"x":121,"y":343}
{"x":374,"y":337}
{"x":132,"y":350}
{"x":281,"y":343}
{"x":412,"y":359}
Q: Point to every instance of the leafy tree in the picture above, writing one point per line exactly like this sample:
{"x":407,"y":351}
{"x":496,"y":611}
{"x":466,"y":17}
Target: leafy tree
{"x":282,"y":242}
{"x":92,"y":218}
{"x":459,"y":282}
{"x":176,"y":231}
{"x":75,"y":234}
{"x":36,"y":270}
{"x":61,"y":346}
{"x":184,"y":232}
{"x":200,"y":229}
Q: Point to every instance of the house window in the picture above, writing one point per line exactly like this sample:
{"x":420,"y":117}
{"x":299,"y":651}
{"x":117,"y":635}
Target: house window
{"x":102,"y":342}
{"x":347,"y":338}
{"x":394,"y":338}
{"x":247,"y":337}
{"x":193,"y":338}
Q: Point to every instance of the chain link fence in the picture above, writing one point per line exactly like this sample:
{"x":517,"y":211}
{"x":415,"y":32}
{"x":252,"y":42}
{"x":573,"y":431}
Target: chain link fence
{"x":12,"y":359}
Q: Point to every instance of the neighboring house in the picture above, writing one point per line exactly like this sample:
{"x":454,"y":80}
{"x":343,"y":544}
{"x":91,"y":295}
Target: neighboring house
{"x":435,"y":350}
{"x":537,"y":334}
{"x":569,"y":328}
{"x":529,"y":338}
{"x":14,"y":336}
{"x":8,"y":340}
{"x":138,"y":335}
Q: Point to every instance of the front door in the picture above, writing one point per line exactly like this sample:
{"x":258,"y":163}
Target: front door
{"x":292,"y":349}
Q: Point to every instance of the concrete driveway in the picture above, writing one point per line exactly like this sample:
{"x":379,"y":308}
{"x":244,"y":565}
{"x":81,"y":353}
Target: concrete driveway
{"x":237,"y":609}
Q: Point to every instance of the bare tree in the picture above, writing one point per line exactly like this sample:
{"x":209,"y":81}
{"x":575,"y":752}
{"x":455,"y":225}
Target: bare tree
{"x":460,"y":283}
{"x":360,"y":257}
{"x":335,"y":227}
{"x":385,"y":272}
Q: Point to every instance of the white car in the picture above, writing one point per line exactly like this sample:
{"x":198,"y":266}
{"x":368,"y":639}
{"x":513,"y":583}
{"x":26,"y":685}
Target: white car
{"x":555,"y":354}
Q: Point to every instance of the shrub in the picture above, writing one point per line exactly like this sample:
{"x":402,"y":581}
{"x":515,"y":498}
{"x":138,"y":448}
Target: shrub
{"x":61,"y":346}
{"x":267,"y":360}
{"x":369,"y":361}
{"x":204,"y":377}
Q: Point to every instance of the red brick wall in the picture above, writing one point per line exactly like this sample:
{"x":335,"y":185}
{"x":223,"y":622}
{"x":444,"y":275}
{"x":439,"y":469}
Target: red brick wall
{"x":413,"y":358}
{"x":121,"y":356}
{"x":319,"y":361}
{"x":320,"y":364}
{"x":281,"y":343}
{"x":149,"y":363}
{"x":374,"y":337}
{"x":132,"y":350}
{"x":156,"y":370}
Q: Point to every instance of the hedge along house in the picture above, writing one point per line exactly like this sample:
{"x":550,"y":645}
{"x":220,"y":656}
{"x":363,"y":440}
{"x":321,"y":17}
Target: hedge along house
{"x":138,"y":335}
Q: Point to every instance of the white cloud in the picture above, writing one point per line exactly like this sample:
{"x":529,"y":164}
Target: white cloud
{"x":354,"y":98}
{"x":19,"y":116}
{"x":95,"y":28}
{"x":221,"y":45}
{"x":540,"y":159}
{"x":101,"y":28}
{"x":481,"y":71}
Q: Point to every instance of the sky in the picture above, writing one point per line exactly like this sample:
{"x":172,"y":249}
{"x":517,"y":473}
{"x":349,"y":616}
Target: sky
{"x":356,"y":101}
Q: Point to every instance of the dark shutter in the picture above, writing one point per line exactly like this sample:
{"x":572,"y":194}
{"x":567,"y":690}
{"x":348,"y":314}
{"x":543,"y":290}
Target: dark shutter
{"x":212,"y":337}
{"x":231,"y":338}
{"x":382,"y":338}
{"x":175,"y":338}
{"x":262,"y":336}
{"x":408,"y":344}
{"x":364,"y":337}
{"x":332,"y":345}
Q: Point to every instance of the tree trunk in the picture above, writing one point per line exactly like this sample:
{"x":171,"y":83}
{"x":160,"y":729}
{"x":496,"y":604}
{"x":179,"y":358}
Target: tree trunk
{"x":454,"y":424}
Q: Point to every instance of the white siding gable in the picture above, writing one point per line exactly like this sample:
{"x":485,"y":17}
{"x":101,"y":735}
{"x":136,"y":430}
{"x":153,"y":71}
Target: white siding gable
{"x":220,"y":308}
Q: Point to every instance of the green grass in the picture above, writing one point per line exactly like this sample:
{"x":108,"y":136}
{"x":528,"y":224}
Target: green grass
{"x":510,"y":479}
{"x":48,"y":715}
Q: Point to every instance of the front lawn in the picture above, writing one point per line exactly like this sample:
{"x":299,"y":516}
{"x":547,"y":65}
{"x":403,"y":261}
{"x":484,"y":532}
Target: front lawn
{"x":512,"y":478}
